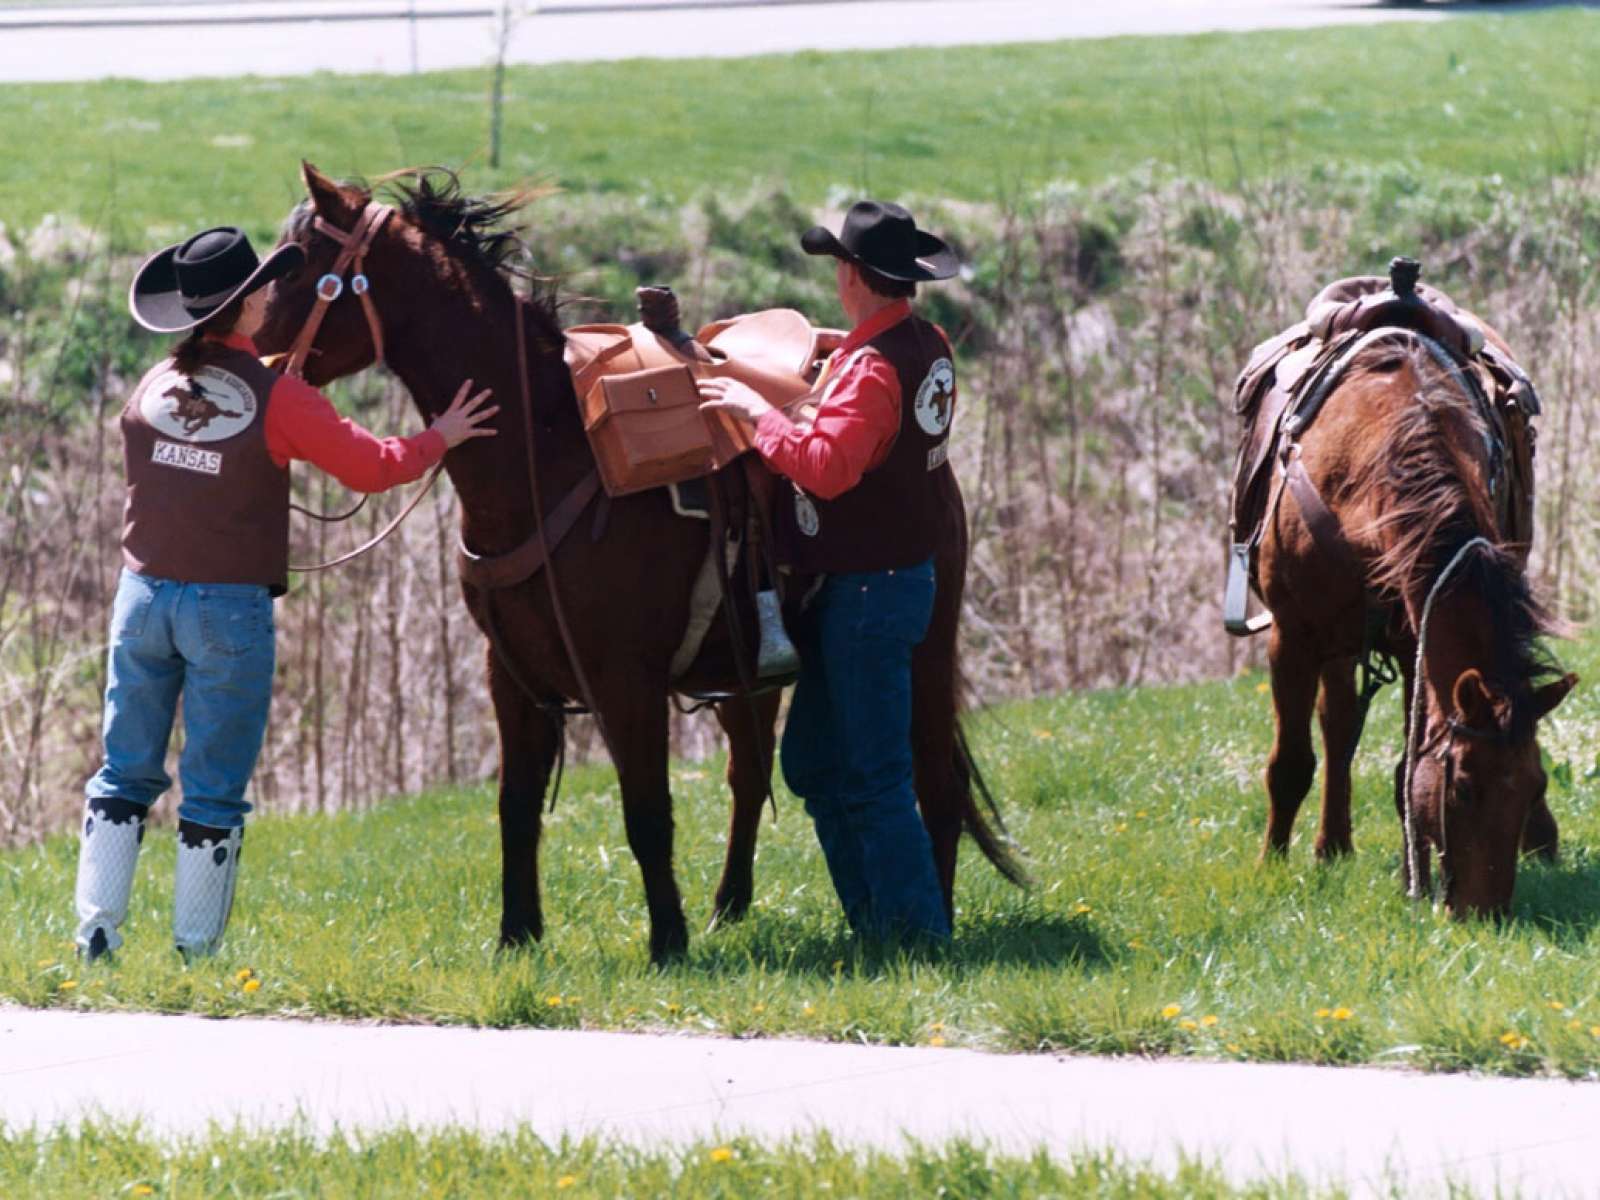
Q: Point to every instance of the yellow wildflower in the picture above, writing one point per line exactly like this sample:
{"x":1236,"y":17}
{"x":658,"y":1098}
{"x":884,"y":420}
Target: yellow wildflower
{"x":1208,"y":1020}
{"x":1594,"y":1030}
{"x":1513,"y":1040}
{"x":1342,"y":1013}
{"x":68,"y":984}
{"x":1122,"y":827}
{"x":47,"y":962}
{"x":565,"y":1182}
{"x":252,"y":985}
{"x":1171,"y":1011}
{"x":1233,"y":1048}
{"x":142,"y":1189}
{"x":936,"y":1040}
{"x":1081,"y":909}
{"x":722,"y":1154}
{"x":1324,"y":1013}
{"x":807,"y":1011}
{"x":1141,"y":814}
{"x":1574,"y":1024}
{"x":759,"y":1007}
{"x":1044,"y":735}
{"x":1263,"y":687}
{"x":553,"y":1001}
{"x":937,"y":1027}
{"x":674,"y":1009}
{"x":243,"y":973}
{"x":1186,"y":1023}
{"x":1557,"y":1005}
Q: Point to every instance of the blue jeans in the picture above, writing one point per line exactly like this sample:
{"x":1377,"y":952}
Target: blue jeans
{"x":212,"y":644}
{"x":847,"y":748}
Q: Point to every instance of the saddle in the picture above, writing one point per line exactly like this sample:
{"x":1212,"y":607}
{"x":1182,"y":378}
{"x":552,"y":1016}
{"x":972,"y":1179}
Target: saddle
{"x":637,"y":386}
{"x":1288,"y":377}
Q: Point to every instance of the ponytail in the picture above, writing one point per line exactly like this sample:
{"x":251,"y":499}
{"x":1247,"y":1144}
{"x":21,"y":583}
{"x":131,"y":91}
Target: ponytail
{"x":192,"y":351}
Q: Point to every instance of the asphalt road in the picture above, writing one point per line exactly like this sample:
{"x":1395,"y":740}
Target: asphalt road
{"x":294,"y":37}
{"x":1373,"y":1132}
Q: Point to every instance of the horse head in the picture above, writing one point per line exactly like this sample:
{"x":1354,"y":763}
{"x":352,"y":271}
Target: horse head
{"x":1478,"y":788}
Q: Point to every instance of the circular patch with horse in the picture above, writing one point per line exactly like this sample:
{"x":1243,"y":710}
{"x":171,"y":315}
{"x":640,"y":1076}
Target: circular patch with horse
{"x":211,"y":405}
{"x":805,"y":514}
{"x":936,"y":398}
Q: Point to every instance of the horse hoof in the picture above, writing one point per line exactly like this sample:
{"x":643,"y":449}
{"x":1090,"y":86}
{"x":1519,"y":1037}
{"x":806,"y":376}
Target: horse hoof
{"x":727,"y":913}
{"x":521,"y":937}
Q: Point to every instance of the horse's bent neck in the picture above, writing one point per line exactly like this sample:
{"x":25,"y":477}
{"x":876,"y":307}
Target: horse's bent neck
{"x":460,"y":337}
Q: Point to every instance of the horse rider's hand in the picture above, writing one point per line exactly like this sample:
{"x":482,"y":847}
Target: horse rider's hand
{"x":466,"y":417}
{"x":731,"y":396}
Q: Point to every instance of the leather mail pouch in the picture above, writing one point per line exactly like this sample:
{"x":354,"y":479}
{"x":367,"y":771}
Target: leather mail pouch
{"x":647,"y":430}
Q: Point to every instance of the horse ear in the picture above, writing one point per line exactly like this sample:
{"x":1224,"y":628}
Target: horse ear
{"x":1473,"y":700}
{"x":1546,"y":698}
{"x":332,"y":202}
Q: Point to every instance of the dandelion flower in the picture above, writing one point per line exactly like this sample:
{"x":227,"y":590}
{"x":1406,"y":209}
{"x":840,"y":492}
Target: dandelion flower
{"x":1122,"y":827}
{"x":141,"y":1189}
{"x":1208,"y":1020}
{"x":1574,"y":1024}
{"x":937,"y":1027}
{"x":759,"y":1007}
{"x":1342,"y":1013}
{"x":722,"y":1154}
{"x":1513,"y":1040}
{"x":673,"y":1009}
{"x":1081,"y":909}
{"x":936,"y":1040}
{"x":565,"y":1182}
{"x":1594,"y":1031}
{"x":1044,"y":735}
{"x":1186,"y":1023}
{"x":1263,"y":687}
{"x":68,"y":984}
{"x":553,"y":1001}
{"x":1557,"y":1005}
{"x":1171,"y":1011}
{"x":243,"y":973}
{"x":252,"y":985}
{"x":807,"y":1011}
{"x":46,"y":962}
{"x":1324,"y":1013}
{"x":1233,"y":1048}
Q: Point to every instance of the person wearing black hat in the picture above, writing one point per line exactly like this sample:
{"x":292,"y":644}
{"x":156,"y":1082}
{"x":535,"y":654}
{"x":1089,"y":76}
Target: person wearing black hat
{"x":208,"y":435}
{"x":867,"y":508}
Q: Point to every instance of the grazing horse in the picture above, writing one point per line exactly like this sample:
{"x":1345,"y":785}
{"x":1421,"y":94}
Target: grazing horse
{"x":1402,"y":457}
{"x":441,"y":299}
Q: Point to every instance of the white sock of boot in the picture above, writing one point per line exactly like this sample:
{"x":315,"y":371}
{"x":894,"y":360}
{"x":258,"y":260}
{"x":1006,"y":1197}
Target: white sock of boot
{"x":208,"y":865}
{"x":108,"y":851}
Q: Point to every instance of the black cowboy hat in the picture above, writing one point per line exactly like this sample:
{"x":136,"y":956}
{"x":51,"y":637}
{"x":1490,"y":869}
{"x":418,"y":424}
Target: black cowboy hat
{"x":886,"y":238}
{"x":181,"y":286}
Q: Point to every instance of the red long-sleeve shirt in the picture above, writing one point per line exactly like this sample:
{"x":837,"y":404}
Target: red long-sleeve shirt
{"x":857,"y":419}
{"x":302,"y":423}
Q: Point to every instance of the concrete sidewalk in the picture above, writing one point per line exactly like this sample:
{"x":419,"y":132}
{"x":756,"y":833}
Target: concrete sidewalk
{"x":297,"y":37}
{"x":1368,"y":1130}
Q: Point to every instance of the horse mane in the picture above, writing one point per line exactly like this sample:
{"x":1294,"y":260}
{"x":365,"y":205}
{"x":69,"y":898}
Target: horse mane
{"x":477,"y":230}
{"x":1433,"y":502}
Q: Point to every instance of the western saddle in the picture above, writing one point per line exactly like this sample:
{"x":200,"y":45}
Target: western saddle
{"x":1283,"y":387}
{"x":636,"y":386}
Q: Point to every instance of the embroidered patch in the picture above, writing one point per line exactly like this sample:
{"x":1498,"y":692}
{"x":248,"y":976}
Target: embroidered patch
{"x":805,"y":515}
{"x":936,"y":398}
{"x":939,"y":455}
{"x":190,"y":458}
{"x":210,"y":406}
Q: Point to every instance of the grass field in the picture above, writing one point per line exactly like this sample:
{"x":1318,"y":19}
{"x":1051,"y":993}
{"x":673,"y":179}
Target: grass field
{"x":977,"y":123}
{"x":110,"y":1161}
{"x":1152,"y":929}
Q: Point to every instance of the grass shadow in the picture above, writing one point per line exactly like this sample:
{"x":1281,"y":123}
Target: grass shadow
{"x":1562,"y":897}
{"x":1020,"y":938}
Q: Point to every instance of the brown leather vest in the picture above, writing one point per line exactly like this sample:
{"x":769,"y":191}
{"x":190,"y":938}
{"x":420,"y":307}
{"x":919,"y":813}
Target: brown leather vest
{"x":897,"y":515}
{"x":206,"y":503}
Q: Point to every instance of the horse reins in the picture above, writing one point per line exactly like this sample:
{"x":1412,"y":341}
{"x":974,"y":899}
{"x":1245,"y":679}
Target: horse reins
{"x":1416,"y":746}
{"x":353,"y":247}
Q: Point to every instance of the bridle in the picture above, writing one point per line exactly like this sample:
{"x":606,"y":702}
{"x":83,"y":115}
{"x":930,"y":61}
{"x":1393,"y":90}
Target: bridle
{"x":352,"y":253}
{"x":353,"y":247}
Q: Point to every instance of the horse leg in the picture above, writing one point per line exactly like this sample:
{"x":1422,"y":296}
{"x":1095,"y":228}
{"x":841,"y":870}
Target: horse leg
{"x":637,"y":723}
{"x":1292,"y":762}
{"x":1338,"y":714}
{"x":751,"y":726}
{"x":529,"y":741}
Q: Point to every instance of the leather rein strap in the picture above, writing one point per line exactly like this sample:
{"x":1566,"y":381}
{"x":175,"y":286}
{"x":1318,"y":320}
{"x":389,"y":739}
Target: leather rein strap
{"x":353,"y":253}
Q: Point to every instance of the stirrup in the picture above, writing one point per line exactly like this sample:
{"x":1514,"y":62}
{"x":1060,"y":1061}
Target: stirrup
{"x":1236,"y":595}
{"x":777,"y":657}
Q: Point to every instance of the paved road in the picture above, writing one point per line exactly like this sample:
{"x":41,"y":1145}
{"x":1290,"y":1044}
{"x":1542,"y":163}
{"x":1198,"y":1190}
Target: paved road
{"x":293,"y":37}
{"x":1359,"y":1128}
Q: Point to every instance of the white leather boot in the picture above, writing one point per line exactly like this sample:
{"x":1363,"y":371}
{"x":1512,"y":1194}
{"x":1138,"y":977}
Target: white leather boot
{"x":202,"y":899}
{"x":108,"y":851}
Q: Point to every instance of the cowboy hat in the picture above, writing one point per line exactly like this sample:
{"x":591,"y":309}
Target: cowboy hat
{"x":179,"y":287}
{"x":885,"y":237}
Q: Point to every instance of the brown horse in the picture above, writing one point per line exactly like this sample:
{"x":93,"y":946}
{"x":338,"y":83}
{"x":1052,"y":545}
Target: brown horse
{"x":440,"y":273}
{"x":1402,"y":458}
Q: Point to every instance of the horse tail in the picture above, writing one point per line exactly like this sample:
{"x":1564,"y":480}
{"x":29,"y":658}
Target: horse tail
{"x":995,"y":840}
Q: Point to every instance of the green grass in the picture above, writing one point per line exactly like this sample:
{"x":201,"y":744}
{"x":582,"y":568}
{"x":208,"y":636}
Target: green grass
{"x":114,"y":1161}
{"x":1513,"y":96}
{"x":1143,"y":813}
